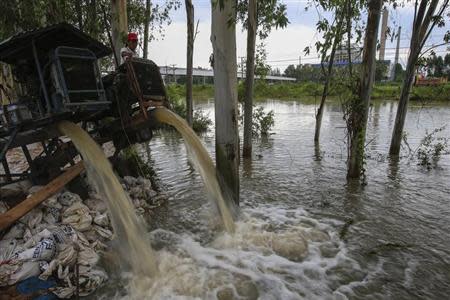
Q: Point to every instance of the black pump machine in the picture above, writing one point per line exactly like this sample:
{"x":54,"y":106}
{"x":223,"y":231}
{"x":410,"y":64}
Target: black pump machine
{"x":56,"y":68}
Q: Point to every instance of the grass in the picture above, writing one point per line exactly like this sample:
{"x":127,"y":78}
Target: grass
{"x":313,"y":90}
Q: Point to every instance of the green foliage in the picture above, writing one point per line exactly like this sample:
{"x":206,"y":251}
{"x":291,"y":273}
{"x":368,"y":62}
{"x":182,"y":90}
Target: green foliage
{"x":431,"y":148}
{"x":346,"y":16}
{"x":159,"y":16}
{"x":262,"y":122}
{"x":136,"y":165}
{"x":305,"y":73}
{"x":436,"y":66}
{"x":399,"y":73}
{"x":308,"y":89}
{"x":270,"y":14}
{"x":431,"y":93}
{"x":381,"y":71}
{"x":86,"y":15}
{"x":201,"y":121}
{"x":261,"y":66}
{"x":174,"y":93}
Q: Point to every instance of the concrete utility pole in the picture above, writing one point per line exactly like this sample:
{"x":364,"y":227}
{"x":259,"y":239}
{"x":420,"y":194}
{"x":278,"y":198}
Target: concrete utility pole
{"x":383,"y":34}
{"x":397,"y":50}
{"x":173,"y":73}
{"x":119,"y":24}
{"x":252,"y":28}
{"x":189,"y":60}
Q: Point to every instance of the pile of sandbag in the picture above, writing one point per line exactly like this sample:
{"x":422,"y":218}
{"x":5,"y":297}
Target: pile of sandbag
{"x":142,"y":195}
{"x":64,"y":233}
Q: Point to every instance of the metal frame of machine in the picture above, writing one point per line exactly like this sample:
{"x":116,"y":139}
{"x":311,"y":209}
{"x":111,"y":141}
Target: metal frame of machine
{"x":58,"y":66}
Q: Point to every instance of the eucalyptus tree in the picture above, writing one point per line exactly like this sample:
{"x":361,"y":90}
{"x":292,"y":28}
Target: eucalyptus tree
{"x":427,"y":15}
{"x":223,"y":39}
{"x":345,"y":13}
{"x":359,"y":106}
{"x":148,"y":6}
{"x":119,"y":24}
{"x":332,"y":38}
{"x":259,"y":18}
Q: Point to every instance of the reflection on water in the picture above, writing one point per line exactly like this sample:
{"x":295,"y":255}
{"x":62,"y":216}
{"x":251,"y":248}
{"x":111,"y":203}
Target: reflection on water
{"x":389,"y":239}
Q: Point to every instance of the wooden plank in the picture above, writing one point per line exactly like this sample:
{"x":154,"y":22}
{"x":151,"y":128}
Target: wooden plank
{"x":15,"y":213}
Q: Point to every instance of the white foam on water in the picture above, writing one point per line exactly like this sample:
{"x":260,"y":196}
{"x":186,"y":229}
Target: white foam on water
{"x":275,"y":253}
{"x":409,"y":273}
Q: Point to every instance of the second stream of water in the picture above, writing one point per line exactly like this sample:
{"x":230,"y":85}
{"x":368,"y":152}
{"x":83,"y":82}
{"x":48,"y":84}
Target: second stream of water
{"x":133,"y":247}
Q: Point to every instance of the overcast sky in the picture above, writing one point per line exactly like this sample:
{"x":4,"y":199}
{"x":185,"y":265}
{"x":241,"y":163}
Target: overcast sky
{"x":284,"y":46}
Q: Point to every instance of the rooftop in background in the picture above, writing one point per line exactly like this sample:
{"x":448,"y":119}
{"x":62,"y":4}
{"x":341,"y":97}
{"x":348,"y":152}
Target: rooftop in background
{"x":171,"y":71}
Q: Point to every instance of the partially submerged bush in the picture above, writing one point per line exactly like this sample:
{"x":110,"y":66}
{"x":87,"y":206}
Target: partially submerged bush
{"x":431,"y":148}
{"x":201,"y":121}
{"x":262,"y":122}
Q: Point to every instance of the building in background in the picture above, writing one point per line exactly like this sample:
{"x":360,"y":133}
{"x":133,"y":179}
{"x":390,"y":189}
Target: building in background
{"x":341,"y":56}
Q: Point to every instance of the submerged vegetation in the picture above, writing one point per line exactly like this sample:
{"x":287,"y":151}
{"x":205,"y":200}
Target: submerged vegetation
{"x":431,"y":148}
{"x":200,"y":122}
{"x":263,"y":121}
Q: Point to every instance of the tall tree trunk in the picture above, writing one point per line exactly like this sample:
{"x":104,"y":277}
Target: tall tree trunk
{"x":146,"y":27}
{"x":119,"y":24}
{"x":359,"y":112}
{"x":223,"y":39}
{"x":421,"y":31}
{"x":189,"y":60}
{"x":337,"y":40}
{"x":249,"y":77}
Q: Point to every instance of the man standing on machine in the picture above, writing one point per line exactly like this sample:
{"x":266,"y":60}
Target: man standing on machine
{"x":130,"y":48}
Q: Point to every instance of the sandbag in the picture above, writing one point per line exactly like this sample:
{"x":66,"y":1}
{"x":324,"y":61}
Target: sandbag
{"x":91,"y":279}
{"x":16,"y":232}
{"x":35,"y":238}
{"x":77,"y":215}
{"x":68,"y":198}
{"x":64,"y":234}
{"x":67,"y":255}
{"x":7,"y":249}
{"x":32,"y":218}
{"x":45,"y":250}
{"x":96,"y":205}
{"x":101,"y":219}
{"x":88,"y":257}
{"x":52,"y":215}
{"x":26,"y":270}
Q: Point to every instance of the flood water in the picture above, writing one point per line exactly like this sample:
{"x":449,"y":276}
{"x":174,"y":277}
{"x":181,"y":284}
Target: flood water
{"x":389,"y":239}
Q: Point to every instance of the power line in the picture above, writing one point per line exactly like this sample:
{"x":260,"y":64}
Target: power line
{"x":315,"y":58}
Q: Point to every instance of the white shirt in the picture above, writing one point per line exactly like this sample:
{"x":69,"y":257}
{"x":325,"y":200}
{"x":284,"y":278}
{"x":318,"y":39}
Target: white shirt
{"x":126,"y":50}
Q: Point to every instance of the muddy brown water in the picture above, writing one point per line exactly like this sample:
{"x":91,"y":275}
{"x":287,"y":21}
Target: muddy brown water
{"x":128,"y":229}
{"x":387,"y":240}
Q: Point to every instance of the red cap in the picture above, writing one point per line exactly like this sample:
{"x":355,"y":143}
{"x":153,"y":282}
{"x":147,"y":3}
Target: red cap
{"x":132,"y":36}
